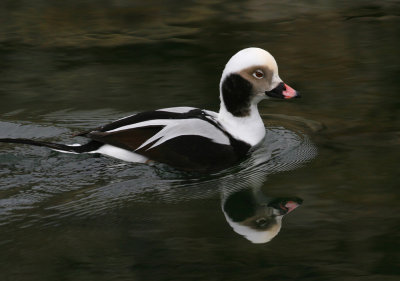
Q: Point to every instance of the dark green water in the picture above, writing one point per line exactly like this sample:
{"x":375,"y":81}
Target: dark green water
{"x":65,"y":68}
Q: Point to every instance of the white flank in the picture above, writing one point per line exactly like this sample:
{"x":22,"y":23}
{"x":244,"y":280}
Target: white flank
{"x":120,"y":153}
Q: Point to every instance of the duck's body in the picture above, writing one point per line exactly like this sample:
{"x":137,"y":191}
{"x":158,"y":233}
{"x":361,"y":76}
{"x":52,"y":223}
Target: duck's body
{"x":190,"y":138}
{"x":184,"y":137}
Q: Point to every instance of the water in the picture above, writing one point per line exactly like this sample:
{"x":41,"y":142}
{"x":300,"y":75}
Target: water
{"x":65,"y":68}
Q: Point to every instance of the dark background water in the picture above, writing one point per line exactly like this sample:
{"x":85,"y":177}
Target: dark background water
{"x":67,"y":67}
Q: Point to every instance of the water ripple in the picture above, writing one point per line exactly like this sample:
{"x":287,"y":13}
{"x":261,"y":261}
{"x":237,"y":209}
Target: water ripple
{"x":50,"y":185}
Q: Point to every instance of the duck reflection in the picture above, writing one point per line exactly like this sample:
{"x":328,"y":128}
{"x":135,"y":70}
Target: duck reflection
{"x":244,"y":206}
{"x":254,"y":215}
{"x":247,"y":209}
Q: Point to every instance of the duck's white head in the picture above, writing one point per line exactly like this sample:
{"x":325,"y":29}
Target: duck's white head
{"x":256,"y":217}
{"x":250,"y":76}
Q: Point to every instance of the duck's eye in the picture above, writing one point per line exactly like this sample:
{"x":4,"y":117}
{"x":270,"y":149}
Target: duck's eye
{"x":258,"y":74}
{"x":262,"y":222}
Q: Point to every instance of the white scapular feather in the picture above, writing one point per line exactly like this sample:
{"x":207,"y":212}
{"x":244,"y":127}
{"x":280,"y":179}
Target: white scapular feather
{"x":121,"y":154}
{"x":178,"y":127}
{"x":178,"y":109}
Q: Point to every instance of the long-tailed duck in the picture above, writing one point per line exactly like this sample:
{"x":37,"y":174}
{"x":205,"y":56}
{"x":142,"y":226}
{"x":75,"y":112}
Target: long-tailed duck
{"x":189,"y":138}
{"x":255,"y":216}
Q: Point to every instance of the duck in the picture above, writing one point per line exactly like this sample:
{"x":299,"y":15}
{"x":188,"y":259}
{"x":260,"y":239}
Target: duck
{"x":255,"y":216}
{"x":189,"y":138}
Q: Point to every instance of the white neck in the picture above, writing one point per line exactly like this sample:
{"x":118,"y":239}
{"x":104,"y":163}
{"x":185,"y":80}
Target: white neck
{"x":249,"y":129}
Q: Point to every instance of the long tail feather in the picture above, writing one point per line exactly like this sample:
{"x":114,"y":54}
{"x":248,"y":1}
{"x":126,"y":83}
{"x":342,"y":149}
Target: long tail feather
{"x":90,"y":146}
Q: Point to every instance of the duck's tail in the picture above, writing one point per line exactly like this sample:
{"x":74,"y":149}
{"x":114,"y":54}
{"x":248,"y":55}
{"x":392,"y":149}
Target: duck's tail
{"x":88,"y":147}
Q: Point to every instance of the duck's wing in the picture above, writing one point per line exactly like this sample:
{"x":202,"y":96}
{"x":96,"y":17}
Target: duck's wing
{"x":166,"y":113}
{"x":147,"y":130}
{"x":185,"y":138}
{"x":161,"y":114}
{"x":129,"y":138}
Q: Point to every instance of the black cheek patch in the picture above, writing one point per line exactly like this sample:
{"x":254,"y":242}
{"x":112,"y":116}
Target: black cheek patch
{"x":240,"y":205}
{"x":236,"y":93}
